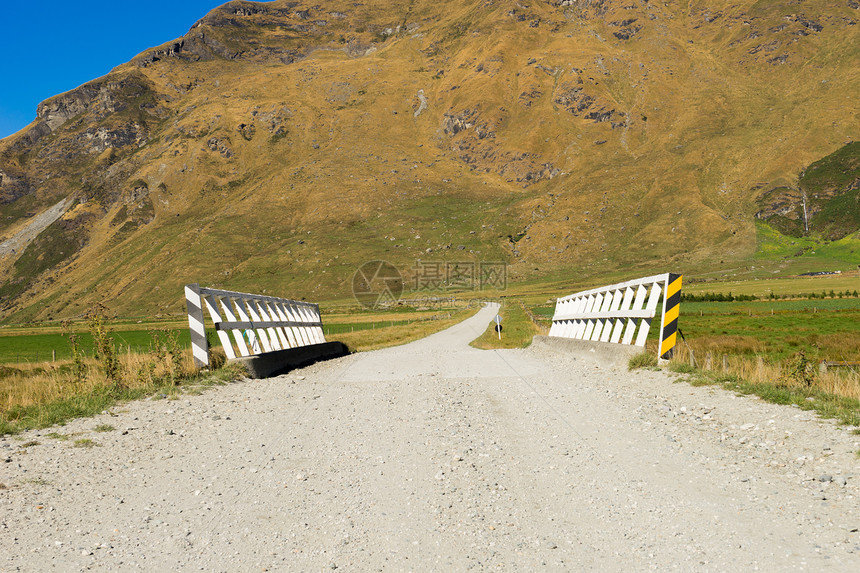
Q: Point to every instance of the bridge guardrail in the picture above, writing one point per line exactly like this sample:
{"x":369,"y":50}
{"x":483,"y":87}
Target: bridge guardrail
{"x":257,"y":323}
{"x":622,"y":313}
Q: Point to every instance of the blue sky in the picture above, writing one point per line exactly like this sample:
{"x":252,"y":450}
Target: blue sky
{"x":52,"y":46}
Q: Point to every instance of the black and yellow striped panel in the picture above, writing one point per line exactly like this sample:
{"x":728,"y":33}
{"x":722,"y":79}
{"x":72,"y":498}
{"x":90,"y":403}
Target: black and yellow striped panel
{"x":672,"y":308}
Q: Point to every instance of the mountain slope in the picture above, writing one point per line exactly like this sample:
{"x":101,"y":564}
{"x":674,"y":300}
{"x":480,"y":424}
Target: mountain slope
{"x":825,"y":201}
{"x":280,"y":145}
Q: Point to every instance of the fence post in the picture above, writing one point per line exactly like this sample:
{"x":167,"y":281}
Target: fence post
{"x":199,"y":344}
{"x":671,"y":310}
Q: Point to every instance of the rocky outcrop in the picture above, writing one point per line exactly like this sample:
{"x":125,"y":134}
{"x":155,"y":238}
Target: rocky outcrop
{"x":247,"y":130}
{"x":474,"y":142}
{"x":99,"y":139}
{"x":781,"y":201}
{"x":12,"y":187}
{"x":241,"y":8}
{"x":529,"y":96}
{"x":572,"y":98}
{"x":585,"y":8}
{"x":627,"y":28}
{"x":172,"y":50}
{"x":221,"y":146}
{"x":196,"y":46}
{"x":29,"y":136}
{"x":100,"y":98}
{"x":616,"y":119}
{"x":452,"y":124}
{"x":274,"y":120}
{"x":136,"y":211}
{"x":242,"y":31}
{"x":811,"y":25}
{"x":206,"y":40}
{"x":57,"y":111}
{"x":139,"y":192}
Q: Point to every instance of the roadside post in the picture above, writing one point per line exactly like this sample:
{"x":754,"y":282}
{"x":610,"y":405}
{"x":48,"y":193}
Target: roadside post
{"x":498,"y":320}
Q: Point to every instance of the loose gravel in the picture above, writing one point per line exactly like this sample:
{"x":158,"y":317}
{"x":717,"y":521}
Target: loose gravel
{"x":435,"y":456}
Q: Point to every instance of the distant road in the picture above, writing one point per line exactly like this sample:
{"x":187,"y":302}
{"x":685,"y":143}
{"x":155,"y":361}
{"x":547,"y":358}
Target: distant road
{"x":435,"y":456}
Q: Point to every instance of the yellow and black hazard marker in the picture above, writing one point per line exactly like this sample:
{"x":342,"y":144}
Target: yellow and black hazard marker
{"x":671,"y":309}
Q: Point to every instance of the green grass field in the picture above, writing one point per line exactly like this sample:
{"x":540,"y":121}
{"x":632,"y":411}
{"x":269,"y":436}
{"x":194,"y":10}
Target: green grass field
{"x":824,"y":329}
{"x":25,"y":347}
{"x":822,"y":335}
{"x":19,"y":347}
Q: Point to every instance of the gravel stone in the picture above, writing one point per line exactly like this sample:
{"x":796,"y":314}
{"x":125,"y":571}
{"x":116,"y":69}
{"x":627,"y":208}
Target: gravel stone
{"x":621,"y":470}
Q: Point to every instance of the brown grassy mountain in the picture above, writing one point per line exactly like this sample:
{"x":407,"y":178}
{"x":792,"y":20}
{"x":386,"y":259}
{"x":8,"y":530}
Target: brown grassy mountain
{"x":277,"y":146}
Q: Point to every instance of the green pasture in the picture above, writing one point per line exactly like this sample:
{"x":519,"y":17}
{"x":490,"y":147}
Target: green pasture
{"x":824,"y":329}
{"x":39,"y":347}
{"x":775,"y":332}
{"x":791,"y":286}
{"x":23,"y":347}
{"x":767,"y":306}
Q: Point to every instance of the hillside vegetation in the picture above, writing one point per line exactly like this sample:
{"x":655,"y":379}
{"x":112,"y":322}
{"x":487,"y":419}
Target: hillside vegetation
{"x":277,"y":146}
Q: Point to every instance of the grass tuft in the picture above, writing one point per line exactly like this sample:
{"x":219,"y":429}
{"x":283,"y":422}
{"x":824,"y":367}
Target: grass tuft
{"x":642,"y":360}
{"x":681,"y":368}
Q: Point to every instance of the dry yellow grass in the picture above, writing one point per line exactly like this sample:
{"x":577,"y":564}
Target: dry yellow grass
{"x":41,"y":384}
{"x":759,"y":371}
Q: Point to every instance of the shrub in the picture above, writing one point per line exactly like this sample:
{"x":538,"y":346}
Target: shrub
{"x":105,"y":351}
{"x":800,"y":370}
{"x":79,"y":368}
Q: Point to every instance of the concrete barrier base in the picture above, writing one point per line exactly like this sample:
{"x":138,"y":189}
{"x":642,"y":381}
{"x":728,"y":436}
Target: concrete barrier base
{"x":602,"y":353}
{"x":281,"y":361}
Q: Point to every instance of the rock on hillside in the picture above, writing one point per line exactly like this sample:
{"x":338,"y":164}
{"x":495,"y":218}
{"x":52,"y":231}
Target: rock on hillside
{"x":279,"y":145}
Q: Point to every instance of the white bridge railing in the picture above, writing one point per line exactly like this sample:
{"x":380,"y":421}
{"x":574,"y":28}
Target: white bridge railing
{"x":257,"y":323}
{"x":621,"y":313}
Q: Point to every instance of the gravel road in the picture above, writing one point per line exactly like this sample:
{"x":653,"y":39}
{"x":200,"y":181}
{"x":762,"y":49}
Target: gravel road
{"x":435,"y":456}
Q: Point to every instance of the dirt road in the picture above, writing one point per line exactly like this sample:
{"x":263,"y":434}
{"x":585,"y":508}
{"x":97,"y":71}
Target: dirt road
{"x":438,"y":457}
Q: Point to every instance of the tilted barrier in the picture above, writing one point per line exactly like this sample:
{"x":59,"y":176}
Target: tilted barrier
{"x":622,"y":313}
{"x":258,"y":323}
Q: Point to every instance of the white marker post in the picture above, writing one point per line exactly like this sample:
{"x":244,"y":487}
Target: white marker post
{"x":498,"y":320}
